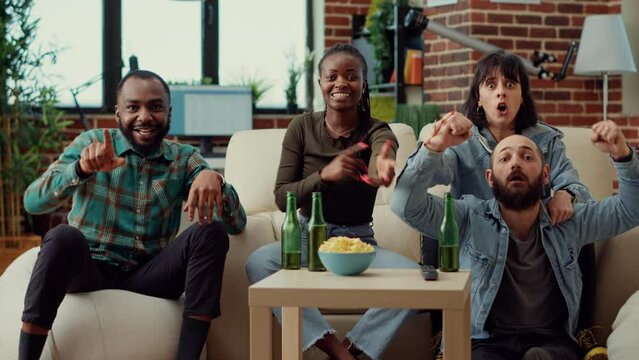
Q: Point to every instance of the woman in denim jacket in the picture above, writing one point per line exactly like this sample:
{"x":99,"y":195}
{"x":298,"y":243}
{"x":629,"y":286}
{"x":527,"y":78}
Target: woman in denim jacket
{"x":500,"y":104}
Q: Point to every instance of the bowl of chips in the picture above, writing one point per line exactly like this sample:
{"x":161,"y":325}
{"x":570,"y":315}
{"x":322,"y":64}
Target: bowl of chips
{"x":346,"y":256}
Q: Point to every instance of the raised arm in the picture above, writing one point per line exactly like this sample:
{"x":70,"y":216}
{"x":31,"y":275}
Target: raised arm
{"x":86,"y":155}
{"x":411,"y":200}
{"x":615,"y":214}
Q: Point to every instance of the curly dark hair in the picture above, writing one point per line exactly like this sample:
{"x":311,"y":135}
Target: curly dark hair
{"x":513,"y":69}
{"x":364,"y":108}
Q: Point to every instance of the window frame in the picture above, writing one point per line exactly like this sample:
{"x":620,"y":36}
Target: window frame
{"x":112,"y":53}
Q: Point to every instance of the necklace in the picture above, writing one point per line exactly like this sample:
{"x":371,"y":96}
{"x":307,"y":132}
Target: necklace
{"x":338,"y":134}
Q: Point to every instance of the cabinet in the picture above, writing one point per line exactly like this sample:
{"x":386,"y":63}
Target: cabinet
{"x":404,"y":41}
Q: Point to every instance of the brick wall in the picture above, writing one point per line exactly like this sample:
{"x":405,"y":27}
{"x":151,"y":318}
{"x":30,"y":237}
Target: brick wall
{"x":519,"y":28}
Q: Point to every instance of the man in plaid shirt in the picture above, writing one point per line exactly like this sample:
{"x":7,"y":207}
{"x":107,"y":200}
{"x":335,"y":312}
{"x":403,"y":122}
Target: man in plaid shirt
{"x":128,"y":186}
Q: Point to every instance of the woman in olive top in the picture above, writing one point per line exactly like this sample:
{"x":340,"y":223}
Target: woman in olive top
{"x":323,"y":152}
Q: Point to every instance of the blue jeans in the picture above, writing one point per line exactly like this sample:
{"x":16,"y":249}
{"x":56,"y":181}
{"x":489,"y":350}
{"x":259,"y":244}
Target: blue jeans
{"x":374,"y":331}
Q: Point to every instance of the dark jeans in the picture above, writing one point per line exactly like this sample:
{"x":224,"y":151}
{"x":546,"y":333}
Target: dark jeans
{"x":525,"y":347}
{"x":430,"y":256}
{"x":192,"y":264}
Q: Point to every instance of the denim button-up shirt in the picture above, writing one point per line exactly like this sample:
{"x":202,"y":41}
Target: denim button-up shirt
{"x":465,"y":163}
{"x":484,"y":233}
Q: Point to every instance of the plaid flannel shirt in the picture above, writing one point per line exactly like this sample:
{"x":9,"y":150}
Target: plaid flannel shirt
{"x":130,"y":214}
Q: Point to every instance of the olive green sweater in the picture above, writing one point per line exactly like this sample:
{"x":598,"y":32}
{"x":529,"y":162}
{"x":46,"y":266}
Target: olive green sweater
{"x":307,"y":148}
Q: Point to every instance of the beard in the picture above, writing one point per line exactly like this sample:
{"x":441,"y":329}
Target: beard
{"x":145,"y":149}
{"x":519,"y":198}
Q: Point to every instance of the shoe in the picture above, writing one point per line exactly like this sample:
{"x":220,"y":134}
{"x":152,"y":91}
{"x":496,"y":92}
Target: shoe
{"x":436,"y":344}
{"x":590,"y":346}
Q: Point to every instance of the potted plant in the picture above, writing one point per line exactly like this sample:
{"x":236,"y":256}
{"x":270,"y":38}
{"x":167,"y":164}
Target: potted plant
{"x":258,"y":87}
{"x":295,"y":72}
{"x":30,"y":125}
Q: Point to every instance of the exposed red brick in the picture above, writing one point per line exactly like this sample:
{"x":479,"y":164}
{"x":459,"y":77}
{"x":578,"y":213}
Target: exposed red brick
{"x":106,"y":124}
{"x":557,"y":20}
{"x":547,"y":107}
{"x":502,"y":43}
{"x":630,"y":133}
{"x":596,"y":9}
{"x":557,"y":45}
{"x":548,"y":33}
{"x":454,"y":19}
{"x":512,"y":7}
{"x":513,"y":31}
{"x":570,"y":8}
{"x":584,"y":120}
{"x":577,"y":21}
{"x":594,"y":107}
{"x":454,"y":95}
{"x":544,"y":7}
{"x":477,"y":18}
{"x":438,"y":96}
{"x":343,"y":32}
{"x":585,"y":96}
{"x":570,"y":33}
{"x":557,"y":120}
{"x":337,"y":20}
{"x":527,"y":19}
{"x":500,"y":18}
{"x":263,"y":123}
{"x":283,"y":123}
{"x":484,"y":30}
{"x":556,"y":95}
{"x":529,"y":45}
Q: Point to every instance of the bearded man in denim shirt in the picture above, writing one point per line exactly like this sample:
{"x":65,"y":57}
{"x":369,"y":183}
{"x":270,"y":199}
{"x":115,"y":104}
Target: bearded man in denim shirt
{"x":526,"y":284}
{"x":128,"y":186}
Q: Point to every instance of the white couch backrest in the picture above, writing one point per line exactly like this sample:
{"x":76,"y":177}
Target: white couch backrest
{"x":593,"y":166}
{"x":253,"y":157}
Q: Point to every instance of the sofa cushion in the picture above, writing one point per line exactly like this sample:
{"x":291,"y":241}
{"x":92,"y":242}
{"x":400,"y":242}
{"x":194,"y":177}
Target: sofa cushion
{"x":622,"y":342}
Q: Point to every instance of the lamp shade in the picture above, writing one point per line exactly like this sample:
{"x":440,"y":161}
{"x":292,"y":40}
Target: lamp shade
{"x":604,"y":47}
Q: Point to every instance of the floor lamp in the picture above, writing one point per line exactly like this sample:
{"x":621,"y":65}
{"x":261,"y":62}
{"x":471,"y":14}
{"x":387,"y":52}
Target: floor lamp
{"x":604,"y":50}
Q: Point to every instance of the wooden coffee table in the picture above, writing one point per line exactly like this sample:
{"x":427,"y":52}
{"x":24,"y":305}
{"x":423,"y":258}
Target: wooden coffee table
{"x":376,"y":288}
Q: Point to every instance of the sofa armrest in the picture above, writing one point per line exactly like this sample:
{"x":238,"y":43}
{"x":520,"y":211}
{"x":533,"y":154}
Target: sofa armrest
{"x":229,"y":336}
{"x":617,"y":275}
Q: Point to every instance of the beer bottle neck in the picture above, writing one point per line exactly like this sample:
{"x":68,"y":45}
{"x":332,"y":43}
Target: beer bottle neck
{"x":291,"y":206}
{"x":317,"y":213}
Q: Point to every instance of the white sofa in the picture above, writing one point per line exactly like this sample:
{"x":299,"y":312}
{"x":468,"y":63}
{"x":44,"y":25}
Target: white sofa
{"x":251,"y":165}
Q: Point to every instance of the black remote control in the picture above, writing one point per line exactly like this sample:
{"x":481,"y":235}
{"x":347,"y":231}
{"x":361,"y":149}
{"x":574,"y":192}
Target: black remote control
{"x":429,"y":272}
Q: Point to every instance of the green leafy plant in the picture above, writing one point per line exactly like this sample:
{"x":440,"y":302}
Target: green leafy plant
{"x":417,"y":115}
{"x":379,"y":19}
{"x":295,"y":70}
{"x":30,"y":124}
{"x":258,"y":86}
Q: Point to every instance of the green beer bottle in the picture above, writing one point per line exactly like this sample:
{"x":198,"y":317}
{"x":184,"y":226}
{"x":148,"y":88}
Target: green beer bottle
{"x":291,"y":236}
{"x":449,"y":238}
{"x":316,"y":233}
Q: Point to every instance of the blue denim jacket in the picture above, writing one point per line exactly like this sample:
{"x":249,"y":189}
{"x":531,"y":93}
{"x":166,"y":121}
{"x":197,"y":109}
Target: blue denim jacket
{"x":465,"y":163}
{"x":484,"y":233}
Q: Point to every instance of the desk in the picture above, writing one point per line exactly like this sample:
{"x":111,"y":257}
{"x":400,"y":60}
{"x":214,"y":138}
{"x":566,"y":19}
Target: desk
{"x":379,"y":288}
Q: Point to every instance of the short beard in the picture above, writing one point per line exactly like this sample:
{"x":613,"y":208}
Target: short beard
{"x":144,"y":149}
{"x":518,"y":199}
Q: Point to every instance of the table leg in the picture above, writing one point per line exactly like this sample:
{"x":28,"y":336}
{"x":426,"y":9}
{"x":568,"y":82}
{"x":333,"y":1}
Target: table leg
{"x":291,"y":333}
{"x":456,"y":334}
{"x":261,"y":333}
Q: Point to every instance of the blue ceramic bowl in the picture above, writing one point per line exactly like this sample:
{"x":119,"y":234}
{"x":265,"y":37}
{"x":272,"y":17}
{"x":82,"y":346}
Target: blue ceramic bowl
{"x":346,"y":264}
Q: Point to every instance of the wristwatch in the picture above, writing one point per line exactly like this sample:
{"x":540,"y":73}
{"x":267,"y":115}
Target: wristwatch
{"x":573,"y":196}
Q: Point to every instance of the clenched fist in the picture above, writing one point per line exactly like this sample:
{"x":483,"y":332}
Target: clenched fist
{"x":609,"y":138}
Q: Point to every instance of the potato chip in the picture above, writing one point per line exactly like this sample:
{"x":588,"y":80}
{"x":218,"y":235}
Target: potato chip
{"x":343,"y":244}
